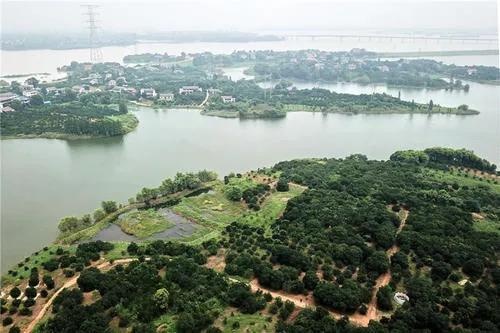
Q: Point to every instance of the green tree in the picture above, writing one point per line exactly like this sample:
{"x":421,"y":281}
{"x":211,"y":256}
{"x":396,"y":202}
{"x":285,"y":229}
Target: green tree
{"x":69,"y":223}
{"x":99,"y":214}
{"x":233,"y":193}
{"x":15,"y":292}
{"x":109,"y":206}
{"x":122,"y":107}
{"x":161,"y":298}
{"x":282,"y":185}
{"x":36,"y":100}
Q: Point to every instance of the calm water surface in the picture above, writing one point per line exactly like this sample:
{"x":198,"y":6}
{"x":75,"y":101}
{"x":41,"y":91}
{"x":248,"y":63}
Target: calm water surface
{"x":44,"y":180}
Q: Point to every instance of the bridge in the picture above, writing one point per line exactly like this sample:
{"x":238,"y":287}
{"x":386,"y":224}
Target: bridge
{"x":401,"y":38}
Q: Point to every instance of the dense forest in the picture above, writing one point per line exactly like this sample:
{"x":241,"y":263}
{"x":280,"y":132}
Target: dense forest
{"x":362,"y":231}
{"x":73,"y":118}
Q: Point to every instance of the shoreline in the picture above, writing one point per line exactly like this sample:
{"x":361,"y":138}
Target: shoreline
{"x":129,"y":124}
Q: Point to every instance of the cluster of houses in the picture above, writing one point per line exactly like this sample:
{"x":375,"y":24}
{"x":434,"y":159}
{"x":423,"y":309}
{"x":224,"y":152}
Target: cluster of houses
{"x":28,"y":91}
{"x":5,"y":100}
{"x":150,"y":93}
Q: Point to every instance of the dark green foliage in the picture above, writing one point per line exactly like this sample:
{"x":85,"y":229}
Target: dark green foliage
{"x":282,"y":185}
{"x":30,"y":292}
{"x":14,"y":329}
{"x":15,"y":292}
{"x":7,"y":321}
{"x":48,"y":281}
{"x":72,"y":118}
{"x":384,"y":298}
{"x":240,"y":296}
{"x":89,"y":279}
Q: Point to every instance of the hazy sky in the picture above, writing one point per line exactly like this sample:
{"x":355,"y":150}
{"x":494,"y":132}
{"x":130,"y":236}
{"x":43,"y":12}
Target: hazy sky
{"x":252,"y":15}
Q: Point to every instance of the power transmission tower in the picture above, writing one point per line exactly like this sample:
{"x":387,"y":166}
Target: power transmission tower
{"x":91,"y":20}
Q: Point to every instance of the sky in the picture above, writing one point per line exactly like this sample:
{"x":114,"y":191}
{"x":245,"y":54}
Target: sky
{"x":64,"y":17}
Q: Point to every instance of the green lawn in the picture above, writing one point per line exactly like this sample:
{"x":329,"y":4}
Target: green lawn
{"x":143,"y":223}
{"x":248,"y":323}
{"x":35,"y":260}
{"x":128,"y":121}
{"x":487,"y":225}
{"x":461,"y":179}
{"x":212,"y":210}
{"x":272,"y":207}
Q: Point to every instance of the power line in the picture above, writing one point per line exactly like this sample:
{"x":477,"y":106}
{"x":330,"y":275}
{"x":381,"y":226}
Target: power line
{"x":94,"y":47}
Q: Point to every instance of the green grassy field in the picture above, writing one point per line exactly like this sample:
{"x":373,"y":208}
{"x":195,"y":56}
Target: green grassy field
{"x":248,"y":323}
{"x":272,"y":207}
{"x":461,"y":179}
{"x":213,"y":211}
{"x":128,"y":121}
{"x":143,"y":223}
{"x":487,"y":225}
{"x":35,"y":260}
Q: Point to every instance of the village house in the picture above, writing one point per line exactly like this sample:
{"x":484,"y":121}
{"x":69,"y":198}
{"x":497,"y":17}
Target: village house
{"x":111,"y":83}
{"x":471,"y":71}
{"x":189,"y":90}
{"x":228,"y":99}
{"x":148,"y":92}
{"x":124,"y":90}
{"x":30,"y":93}
{"x":8,"y":97}
{"x":168,"y":97}
{"x":383,"y":68}
{"x":6,"y":109}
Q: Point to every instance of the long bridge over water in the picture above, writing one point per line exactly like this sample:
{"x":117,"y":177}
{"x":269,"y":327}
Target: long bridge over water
{"x":401,"y":38}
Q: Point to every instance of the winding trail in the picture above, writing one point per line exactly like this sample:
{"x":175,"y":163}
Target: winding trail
{"x":304,"y":301}
{"x":70,"y":283}
{"x":382,"y":281}
{"x":204,"y":101}
{"x":301,"y":301}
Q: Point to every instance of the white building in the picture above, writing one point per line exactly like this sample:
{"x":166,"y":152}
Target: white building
{"x":7,"y":97}
{"x":228,"y":99}
{"x":189,"y":90}
{"x":383,"y":68}
{"x":148,"y":92}
{"x":111,"y":83}
{"x":166,"y":97}
{"x":30,"y":93}
{"x":401,"y":298}
{"x":471,"y":71}
{"x":6,"y":109}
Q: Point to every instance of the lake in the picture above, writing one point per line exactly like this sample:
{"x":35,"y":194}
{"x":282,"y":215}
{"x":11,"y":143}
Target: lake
{"x":44,"y":180}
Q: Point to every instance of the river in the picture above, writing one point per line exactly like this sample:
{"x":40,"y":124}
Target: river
{"x":44,"y":180}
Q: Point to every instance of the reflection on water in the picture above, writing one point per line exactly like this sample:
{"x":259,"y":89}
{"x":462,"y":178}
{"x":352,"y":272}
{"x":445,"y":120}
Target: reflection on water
{"x":112,"y":142}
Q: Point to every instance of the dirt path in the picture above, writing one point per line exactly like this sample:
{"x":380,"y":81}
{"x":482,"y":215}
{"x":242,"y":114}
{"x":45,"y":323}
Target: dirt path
{"x":70,"y":283}
{"x":303,"y":301}
{"x":382,"y":281}
{"x":204,"y":101}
